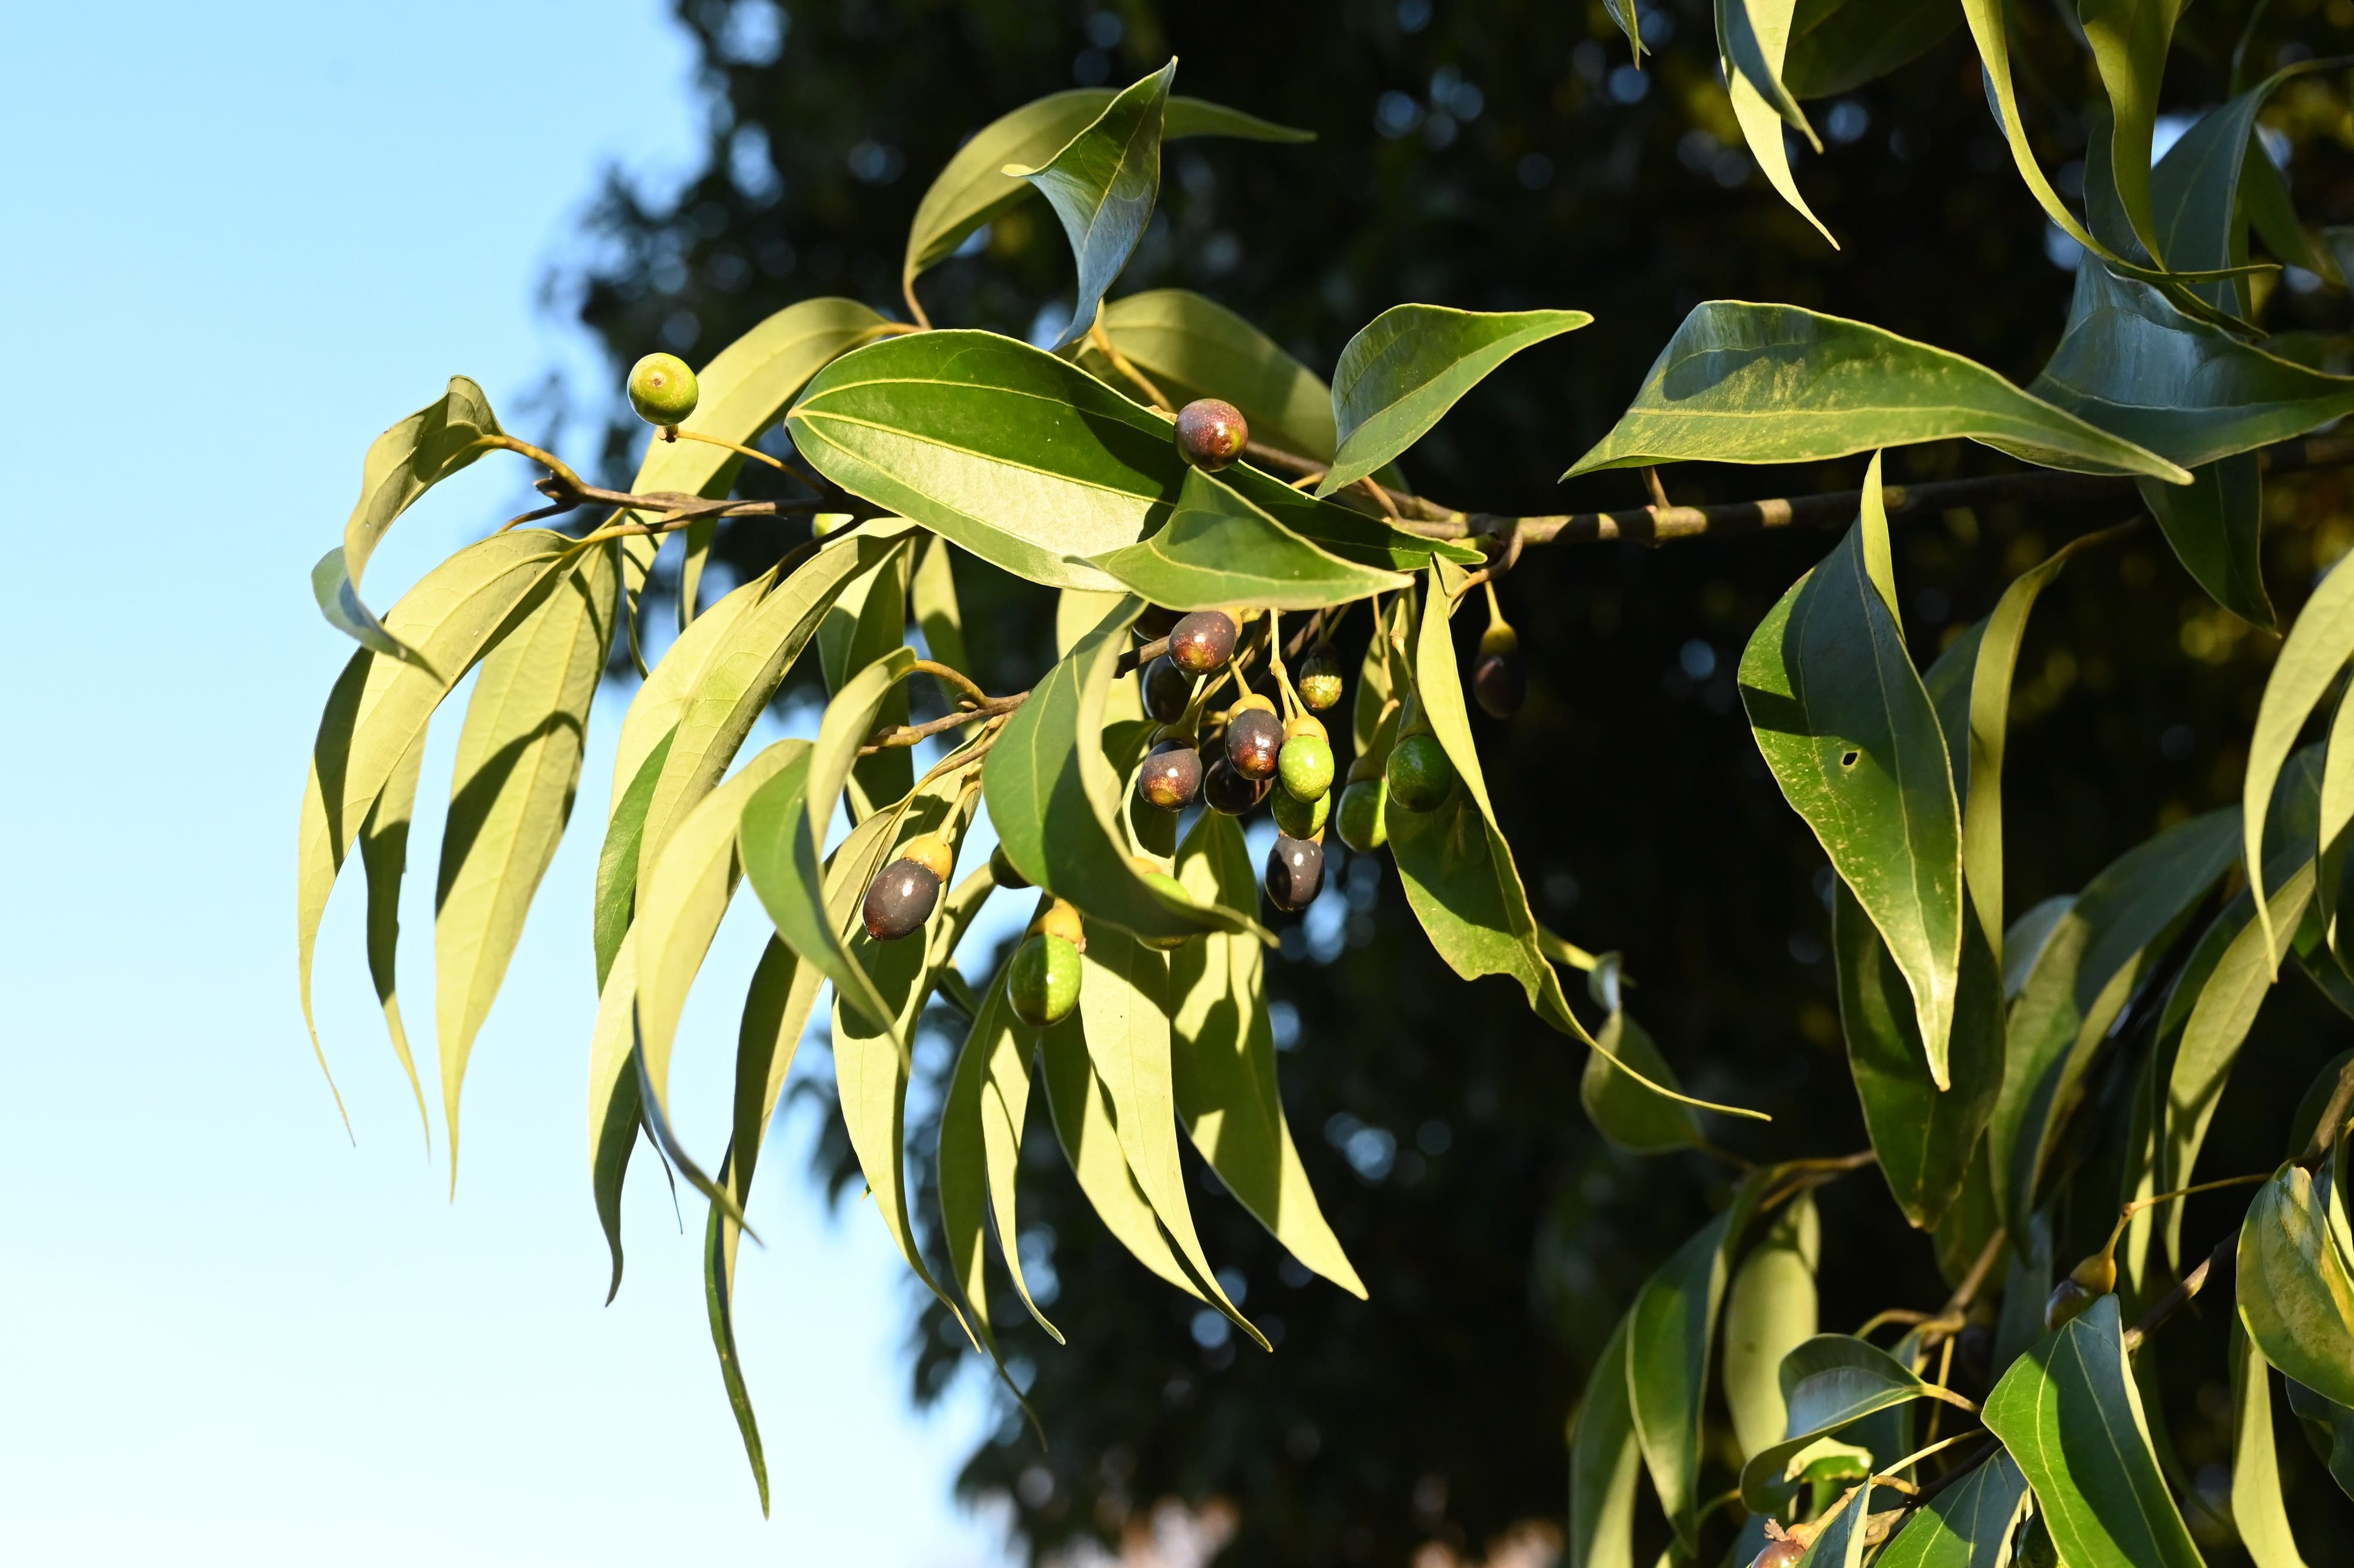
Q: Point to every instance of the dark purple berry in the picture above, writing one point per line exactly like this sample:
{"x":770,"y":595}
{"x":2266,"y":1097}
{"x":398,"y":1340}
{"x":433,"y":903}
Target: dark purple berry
{"x":1255,"y":743}
{"x":1295,"y":871}
{"x":1211,"y":433}
{"x":1203,"y":641}
{"x":1225,"y":790}
{"x":1171,"y":777}
{"x":901,"y":900}
{"x":1167,"y":690}
{"x":1500,"y":684}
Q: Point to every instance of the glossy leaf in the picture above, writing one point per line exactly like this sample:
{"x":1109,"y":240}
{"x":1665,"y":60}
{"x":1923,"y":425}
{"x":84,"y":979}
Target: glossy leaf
{"x":2316,"y":650}
{"x":867,"y":620}
{"x":1837,"y":46}
{"x":1083,"y":1126}
{"x":1623,"y":1109}
{"x":1829,"y":1383}
{"x":2331,"y":1428}
{"x":1966,"y":1525}
{"x":1102,"y":184}
{"x":2197,"y":191}
{"x":1629,"y":18}
{"x":517,"y":769}
{"x":2295,"y":1282}
{"x":1753,"y":39}
{"x":1217,"y":550}
{"x":1771,"y":1311}
{"x":1604,"y":1461}
{"x":2070,"y":1416}
{"x":932,"y":599}
{"x":2213,"y":525}
{"x":1222,"y":1060}
{"x":2334,"y":808}
{"x":1844,"y":1534}
{"x":1850,"y":733}
{"x":980,"y":1150}
{"x":1411,"y":363}
{"x":974,"y":189}
{"x":384,"y":856}
{"x":1193,"y":347}
{"x":402,"y":464}
{"x":1744,"y":383}
{"x":2257,"y":1509}
{"x":2129,"y":39}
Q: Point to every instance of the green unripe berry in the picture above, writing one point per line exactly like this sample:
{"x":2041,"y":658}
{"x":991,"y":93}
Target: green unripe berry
{"x":1043,"y":986}
{"x":1305,"y":765}
{"x":1169,"y":887}
{"x":1363,"y":825}
{"x":1420,"y":774}
{"x":1320,"y":678}
{"x":1298,"y":818}
{"x":2068,"y":1300}
{"x":662,"y":389}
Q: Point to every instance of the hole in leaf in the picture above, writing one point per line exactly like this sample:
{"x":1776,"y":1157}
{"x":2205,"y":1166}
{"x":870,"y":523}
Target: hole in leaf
{"x":1849,"y":759}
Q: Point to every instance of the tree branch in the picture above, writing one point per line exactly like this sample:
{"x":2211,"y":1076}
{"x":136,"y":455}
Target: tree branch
{"x":2226,"y":1254}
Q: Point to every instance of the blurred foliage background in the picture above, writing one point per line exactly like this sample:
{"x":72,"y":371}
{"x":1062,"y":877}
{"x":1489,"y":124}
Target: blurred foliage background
{"x":1503,"y":156}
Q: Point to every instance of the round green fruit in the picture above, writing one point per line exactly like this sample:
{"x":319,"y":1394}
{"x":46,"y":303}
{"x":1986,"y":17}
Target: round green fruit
{"x":1420,"y":774}
{"x":1320,"y":678}
{"x":1044,"y":984}
{"x":1305,"y":765}
{"x":1298,"y":818}
{"x":662,"y":389}
{"x":1169,"y":887}
{"x":1362,"y":825}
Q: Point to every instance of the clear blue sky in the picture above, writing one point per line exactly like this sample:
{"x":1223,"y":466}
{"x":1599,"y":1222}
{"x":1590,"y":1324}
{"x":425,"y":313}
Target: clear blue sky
{"x":241,"y":239}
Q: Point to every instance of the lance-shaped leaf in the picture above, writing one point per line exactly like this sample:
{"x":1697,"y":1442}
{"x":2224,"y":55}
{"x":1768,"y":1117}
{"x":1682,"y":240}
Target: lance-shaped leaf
{"x":1604,"y":1461}
{"x":2197,"y":192}
{"x":518,"y":766}
{"x":1629,"y":18}
{"x":1054,"y":798}
{"x":2129,"y":40}
{"x":1102,"y":185}
{"x":1837,"y":46}
{"x":1770,"y":1312}
{"x":980,"y":1150}
{"x":616,"y":1110}
{"x":1030,"y":463}
{"x":2099,"y":951}
{"x":1222,"y":1060}
{"x":1623,"y":1107}
{"x":380,"y":705}
{"x":1411,"y":363}
{"x":2297,"y":1284}
{"x":932,"y":599}
{"x":616,"y":898}
{"x":1669,"y":1331}
{"x":1745,"y":383}
{"x":785,"y":826}
{"x":2135,"y":365}
{"x":1829,"y":1383}
{"x":2331,"y":1429}
{"x":2334,"y":813}
{"x":402,"y":464}
{"x":1083,"y":1126}
{"x":1193,"y":347}
{"x":2258,"y":1511}
{"x":743,"y":674}
{"x":2316,"y":650}
{"x":719,"y":1308}
{"x":2070,"y":1416}
{"x":1753,"y":39}
{"x":1965,"y":1525}
{"x":2214,"y":525}
{"x":974,"y":188}
{"x":867,"y":620}
{"x":1217,"y":548}
{"x":384,"y":856}
{"x":1845,"y":723}
{"x":1844,"y":1533}
{"x":662,"y":699}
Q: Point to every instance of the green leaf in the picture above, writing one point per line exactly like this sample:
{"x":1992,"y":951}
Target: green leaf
{"x":1083,"y":1125}
{"x":2330,"y":1428}
{"x":1966,"y":1525}
{"x":1842,"y":1542}
{"x":2258,"y":1510}
{"x":974,"y":189}
{"x":379,"y":708}
{"x":2334,"y":813}
{"x":2316,"y":650}
{"x":2295,"y":1285}
{"x":2197,"y":192}
{"x":2213,"y":525}
{"x":1030,"y":463}
{"x":616,"y":1109}
{"x":1744,"y":383}
{"x":2072,"y":1418}
{"x":1837,"y":46}
{"x":2099,"y":952}
{"x":1411,"y":363}
{"x":1623,"y":1110}
{"x":1193,"y":347}
{"x":980,"y":1150}
{"x":661,"y":699}
{"x":1054,"y":798}
{"x":616,"y":860}
{"x":384,"y":856}
{"x":2129,"y":40}
{"x":1770,"y":1312}
{"x":1925,"y":1135}
{"x":1222,"y":1060}
{"x":1219,"y":549}
{"x":2138,"y":367}
{"x":719,"y":1307}
{"x":1829,"y":1383}
{"x":1629,"y":18}
{"x":1102,"y":185}
{"x":1847,"y":729}
{"x":867,"y":620}
{"x":1604,"y":1460}
{"x":932,"y":598}
{"x":511,"y":794}
{"x":402,"y":464}
{"x":1753,"y":37}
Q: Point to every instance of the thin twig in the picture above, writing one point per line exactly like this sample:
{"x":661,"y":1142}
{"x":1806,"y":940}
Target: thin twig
{"x":893,"y":737}
{"x":956,"y":678}
{"x":2225,"y":1255}
{"x":1121,"y":362}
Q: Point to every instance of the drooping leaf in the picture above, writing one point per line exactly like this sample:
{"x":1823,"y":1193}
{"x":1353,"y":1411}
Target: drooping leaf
{"x":616,"y":860}
{"x":518,"y":766}
{"x":2310,"y":658}
{"x":1770,"y":1312}
{"x":1850,"y":733}
{"x":1966,"y":1525}
{"x":719,"y":1308}
{"x":1222,"y":1060}
{"x":2295,"y":1282}
{"x":2138,"y":367}
{"x":1629,"y":18}
{"x":2331,"y":1427}
{"x":1829,"y":1383}
{"x":2071,"y":1416}
{"x":980,"y":1150}
{"x":1083,"y":1126}
{"x":616,"y":1110}
{"x":2214,"y":525}
{"x":866,"y":620}
{"x":932,"y":599}
{"x":2257,"y":1509}
{"x":1623,"y":1109}
{"x":1753,"y":39}
{"x":974,"y":188}
{"x":1102,"y":185}
{"x":1217,"y":548}
{"x":402,"y":464}
{"x":1745,"y":383}
{"x":384,"y":856}
{"x":2197,"y":190}
{"x":1193,"y":347}
{"x":1837,"y":46}
{"x":1411,"y":363}
{"x":661,"y":699}
{"x":1844,"y":1534}
{"x":2129,"y":40}
{"x":1604,"y":1461}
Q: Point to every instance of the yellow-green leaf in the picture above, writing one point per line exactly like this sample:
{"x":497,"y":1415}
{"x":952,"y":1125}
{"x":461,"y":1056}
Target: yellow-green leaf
{"x":2316,"y":650}
{"x":2296,"y":1283}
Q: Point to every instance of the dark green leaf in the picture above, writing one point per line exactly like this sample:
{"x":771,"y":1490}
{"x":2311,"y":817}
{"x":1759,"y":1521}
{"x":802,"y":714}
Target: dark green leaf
{"x":1837,"y":46}
{"x":1604,"y":1460}
{"x":1102,"y":185}
{"x":719,"y":1307}
{"x":1193,"y":347}
{"x":866,"y":620}
{"x":1218,"y":549}
{"x":1744,"y":383}
{"x":1966,"y":1525}
{"x":1829,"y":1383}
{"x":2213,"y":525}
{"x":2331,"y":1429}
{"x":2297,"y":1281}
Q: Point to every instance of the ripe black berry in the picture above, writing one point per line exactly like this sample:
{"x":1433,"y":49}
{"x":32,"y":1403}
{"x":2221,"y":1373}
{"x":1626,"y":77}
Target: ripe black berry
{"x":1255,"y":743}
{"x":900,"y":900}
{"x":1203,"y":641}
{"x":1171,"y":777}
{"x":1211,"y":433}
{"x":1166,"y":690}
{"x":1223,"y":789}
{"x":1295,"y":871}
